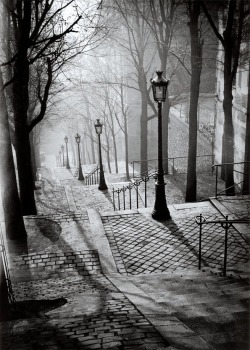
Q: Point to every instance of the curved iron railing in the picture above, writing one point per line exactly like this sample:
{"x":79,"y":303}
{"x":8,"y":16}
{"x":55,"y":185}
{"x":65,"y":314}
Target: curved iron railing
{"x":119,"y":194}
{"x":238,"y":184}
{"x":93,"y":177}
{"x":11,"y":297}
{"x":225,"y":224}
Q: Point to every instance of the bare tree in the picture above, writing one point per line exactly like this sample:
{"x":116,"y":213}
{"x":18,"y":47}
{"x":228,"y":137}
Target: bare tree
{"x":234,"y":25}
{"x":14,"y":224}
{"x":137,"y":43}
{"x":196,"y":67}
{"x":160,"y":17}
{"x":246,"y":179}
{"x":40,"y":33}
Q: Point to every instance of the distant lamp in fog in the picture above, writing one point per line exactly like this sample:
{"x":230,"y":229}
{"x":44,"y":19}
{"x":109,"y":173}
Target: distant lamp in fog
{"x":98,"y":128}
{"x":80,"y":174}
{"x":159,"y":86}
{"x":67,"y":154}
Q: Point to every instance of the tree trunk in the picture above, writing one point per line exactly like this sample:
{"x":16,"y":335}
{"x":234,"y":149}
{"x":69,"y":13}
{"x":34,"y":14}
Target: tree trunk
{"x":36,"y":145}
{"x":83,"y":153}
{"x":165,"y":120}
{"x":246,"y":179}
{"x":4,"y":300}
{"x":165,"y":108}
{"x":126,"y":146}
{"x":22,"y":143}
{"x":196,"y":66}
{"x":15,"y":228}
{"x":93,"y":151}
{"x":115,"y":149}
{"x":228,"y":150}
{"x":144,"y":134}
{"x":33,"y":157}
{"x":72,"y":144}
{"x":108,"y":153}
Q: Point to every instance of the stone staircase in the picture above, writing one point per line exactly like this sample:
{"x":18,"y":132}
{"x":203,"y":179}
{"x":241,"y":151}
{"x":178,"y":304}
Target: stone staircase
{"x":212,"y":307}
{"x":191,"y":309}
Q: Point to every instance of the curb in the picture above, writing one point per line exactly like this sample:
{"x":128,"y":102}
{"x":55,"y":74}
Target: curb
{"x":101,"y":243}
{"x":175,"y":332}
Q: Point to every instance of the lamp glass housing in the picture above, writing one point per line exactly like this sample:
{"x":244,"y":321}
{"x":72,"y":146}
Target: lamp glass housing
{"x":62,"y":148}
{"x":98,"y":127}
{"x":66,"y":139}
{"x":78,"y":138}
{"x":159,"y":87}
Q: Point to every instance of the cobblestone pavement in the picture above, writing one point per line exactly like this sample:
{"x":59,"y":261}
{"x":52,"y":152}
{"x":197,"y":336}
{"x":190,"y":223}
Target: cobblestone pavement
{"x":94,"y":315}
{"x":237,"y":207}
{"x":63,"y":298}
{"x":141,"y":246}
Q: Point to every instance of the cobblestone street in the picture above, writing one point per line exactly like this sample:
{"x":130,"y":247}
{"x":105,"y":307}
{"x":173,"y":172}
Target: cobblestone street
{"x":89,"y":277}
{"x":96,"y":316}
{"x":140,"y":247}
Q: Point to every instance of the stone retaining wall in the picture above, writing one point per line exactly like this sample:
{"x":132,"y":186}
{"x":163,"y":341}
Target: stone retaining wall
{"x":35,"y":264}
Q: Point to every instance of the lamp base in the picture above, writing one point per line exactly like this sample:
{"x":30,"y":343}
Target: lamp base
{"x":102,"y":183}
{"x":102,"y":187}
{"x":160,"y":212}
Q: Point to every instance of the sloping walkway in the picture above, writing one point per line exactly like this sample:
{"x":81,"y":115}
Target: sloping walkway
{"x":99,"y":279}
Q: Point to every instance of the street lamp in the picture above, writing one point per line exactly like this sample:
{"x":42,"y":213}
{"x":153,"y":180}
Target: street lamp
{"x":67,"y":155}
{"x":62,"y":148}
{"x":102,"y":184}
{"x":80,"y":174}
{"x":159,"y":86}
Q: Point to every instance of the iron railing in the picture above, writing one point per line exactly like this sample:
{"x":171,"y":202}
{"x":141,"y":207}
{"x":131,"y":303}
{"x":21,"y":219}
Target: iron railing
{"x":11,"y":297}
{"x":225,"y":224}
{"x":235,"y":185}
{"x":93,"y":177}
{"x":176,"y":165}
{"x":120,"y":200}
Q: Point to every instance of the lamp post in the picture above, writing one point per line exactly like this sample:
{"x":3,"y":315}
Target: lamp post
{"x":67,"y":154}
{"x":102,"y":184}
{"x":60,"y":158}
{"x":80,"y":174}
{"x":159,"y":86}
{"x":62,"y":148}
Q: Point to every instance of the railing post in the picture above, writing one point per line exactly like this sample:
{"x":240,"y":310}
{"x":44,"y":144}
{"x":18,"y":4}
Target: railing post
{"x":137,"y":194}
{"x":118,"y":194}
{"x":145,"y":179}
{"x":200,"y":222}
{"x":216,"y":181}
{"x":200,"y":235}
{"x":226,"y":227}
{"x":130,"y":199}
{"x":123,"y":190}
{"x":113,"y":191}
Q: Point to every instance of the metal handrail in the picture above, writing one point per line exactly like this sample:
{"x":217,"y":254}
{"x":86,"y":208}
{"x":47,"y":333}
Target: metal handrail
{"x":216,"y":166}
{"x":134,"y":184}
{"x":11,"y":297}
{"x":226,"y":224}
{"x":93,"y":177}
